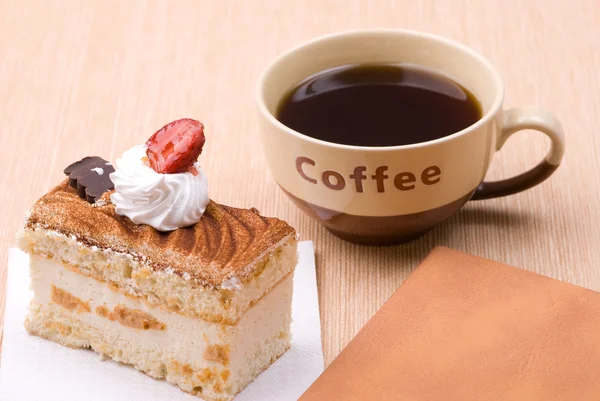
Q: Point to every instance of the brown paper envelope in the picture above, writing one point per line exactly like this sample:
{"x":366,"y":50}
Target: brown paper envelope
{"x":466,"y":328}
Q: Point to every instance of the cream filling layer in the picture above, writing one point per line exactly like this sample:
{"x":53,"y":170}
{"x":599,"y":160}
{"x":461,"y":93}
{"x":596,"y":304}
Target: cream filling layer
{"x":186,"y":340}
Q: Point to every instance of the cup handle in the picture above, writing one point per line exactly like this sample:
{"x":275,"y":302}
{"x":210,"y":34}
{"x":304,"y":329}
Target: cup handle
{"x":515,"y":120}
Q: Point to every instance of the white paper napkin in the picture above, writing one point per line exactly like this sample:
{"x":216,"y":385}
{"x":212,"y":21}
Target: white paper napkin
{"x":33,"y":369}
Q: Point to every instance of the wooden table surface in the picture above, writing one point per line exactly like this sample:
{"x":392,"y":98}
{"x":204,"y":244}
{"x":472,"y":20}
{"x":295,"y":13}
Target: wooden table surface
{"x":82,"y":78}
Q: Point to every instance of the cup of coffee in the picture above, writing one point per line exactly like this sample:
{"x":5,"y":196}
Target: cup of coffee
{"x":381,"y":134}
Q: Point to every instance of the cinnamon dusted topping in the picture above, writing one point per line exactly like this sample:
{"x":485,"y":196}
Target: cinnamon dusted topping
{"x":68,"y":300}
{"x":222,"y":245}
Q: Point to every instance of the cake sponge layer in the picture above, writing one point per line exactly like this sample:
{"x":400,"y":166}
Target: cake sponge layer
{"x":179,"y":293}
{"x":226,"y":242}
{"x":212,"y":360}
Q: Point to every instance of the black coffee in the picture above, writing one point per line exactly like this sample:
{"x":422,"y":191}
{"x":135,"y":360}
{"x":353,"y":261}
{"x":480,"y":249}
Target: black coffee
{"x":378,"y":105}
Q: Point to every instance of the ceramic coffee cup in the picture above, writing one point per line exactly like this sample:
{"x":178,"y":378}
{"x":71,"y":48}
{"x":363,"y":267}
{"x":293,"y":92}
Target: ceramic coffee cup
{"x":388,"y":195}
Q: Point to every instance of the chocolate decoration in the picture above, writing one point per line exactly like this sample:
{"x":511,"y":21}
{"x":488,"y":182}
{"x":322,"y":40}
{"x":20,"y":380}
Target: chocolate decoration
{"x":91,"y":177}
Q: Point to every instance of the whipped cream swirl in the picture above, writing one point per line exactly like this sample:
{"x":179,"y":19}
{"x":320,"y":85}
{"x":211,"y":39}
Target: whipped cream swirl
{"x":163,"y":201}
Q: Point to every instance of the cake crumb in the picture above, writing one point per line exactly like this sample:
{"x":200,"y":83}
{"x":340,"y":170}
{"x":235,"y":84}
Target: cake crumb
{"x":217,"y":353}
{"x":130,"y":317}
{"x":68,"y":300}
{"x":232,"y":283}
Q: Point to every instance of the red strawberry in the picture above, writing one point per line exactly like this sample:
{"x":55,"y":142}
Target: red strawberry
{"x":175,"y":147}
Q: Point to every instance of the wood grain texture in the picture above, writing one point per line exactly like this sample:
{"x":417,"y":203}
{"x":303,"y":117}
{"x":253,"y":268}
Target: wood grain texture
{"x":84,"y":78}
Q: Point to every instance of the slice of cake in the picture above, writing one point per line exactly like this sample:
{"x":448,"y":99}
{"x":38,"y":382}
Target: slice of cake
{"x":155,"y":275}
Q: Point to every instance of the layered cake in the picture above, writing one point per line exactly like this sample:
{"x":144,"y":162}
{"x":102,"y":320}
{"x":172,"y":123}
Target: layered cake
{"x":138,"y":264}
